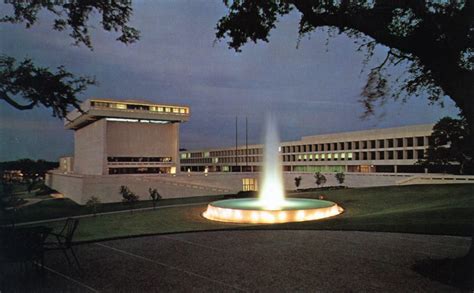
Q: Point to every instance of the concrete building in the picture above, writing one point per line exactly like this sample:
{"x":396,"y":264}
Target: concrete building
{"x":136,"y":144}
{"x":125,"y":137}
{"x":389,"y":150}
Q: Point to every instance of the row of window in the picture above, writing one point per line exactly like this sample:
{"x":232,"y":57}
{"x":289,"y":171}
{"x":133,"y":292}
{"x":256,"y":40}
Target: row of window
{"x":357,"y":145}
{"x":139,"y":159}
{"x":139,"y":170}
{"x":123,"y":106}
{"x":228,"y":153}
{"x":370,"y":155}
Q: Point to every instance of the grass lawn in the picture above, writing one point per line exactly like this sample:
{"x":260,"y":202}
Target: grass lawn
{"x":59,"y":208}
{"x":427,"y":209}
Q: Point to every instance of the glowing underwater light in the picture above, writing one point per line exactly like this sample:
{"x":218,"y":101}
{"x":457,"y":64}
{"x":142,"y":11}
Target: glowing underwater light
{"x":271,"y":207}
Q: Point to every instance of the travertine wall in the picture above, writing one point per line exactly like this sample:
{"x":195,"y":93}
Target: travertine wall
{"x":142,"y":139}
{"x":89,"y":149}
{"x":80,"y":188}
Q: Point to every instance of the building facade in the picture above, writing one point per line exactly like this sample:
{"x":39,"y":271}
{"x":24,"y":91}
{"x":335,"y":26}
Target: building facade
{"x":124,"y":137}
{"x":389,"y":150}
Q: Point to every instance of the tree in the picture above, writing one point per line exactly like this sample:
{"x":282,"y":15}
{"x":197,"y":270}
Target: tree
{"x":340,"y":177}
{"x":320,"y":178}
{"x":155,"y":196}
{"x":35,"y":85}
{"x":128,"y":197}
{"x":298,"y":182}
{"x":430,"y":41}
{"x":93,"y":203}
{"x":450,"y":145}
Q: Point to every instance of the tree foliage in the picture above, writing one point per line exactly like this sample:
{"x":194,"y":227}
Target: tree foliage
{"x":340,"y":177}
{"x":128,"y":197}
{"x":450,"y":144}
{"x":29,"y":168}
{"x":37,"y":86}
{"x":155,"y":196}
{"x":432,"y":41}
{"x":34,"y":85}
{"x":320,"y":179}
{"x":93,"y":203}
{"x":298,"y":181}
{"x":73,"y":16}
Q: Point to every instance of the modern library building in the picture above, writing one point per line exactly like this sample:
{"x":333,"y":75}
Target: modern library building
{"x":390,"y":150}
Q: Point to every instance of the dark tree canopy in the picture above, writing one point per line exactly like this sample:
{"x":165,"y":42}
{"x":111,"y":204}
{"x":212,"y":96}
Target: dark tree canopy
{"x":25,"y":85}
{"x":433,"y":40}
{"x":74,"y":16}
{"x":36,"y":86}
{"x":450,"y":145}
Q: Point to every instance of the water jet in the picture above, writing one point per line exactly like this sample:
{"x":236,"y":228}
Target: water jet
{"x":271,"y":206}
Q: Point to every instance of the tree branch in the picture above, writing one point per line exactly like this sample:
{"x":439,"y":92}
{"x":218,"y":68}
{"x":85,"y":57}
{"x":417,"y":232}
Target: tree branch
{"x":13,"y":103}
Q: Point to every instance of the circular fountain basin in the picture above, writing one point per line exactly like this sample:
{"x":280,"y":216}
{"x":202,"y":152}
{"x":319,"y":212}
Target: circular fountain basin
{"x":250,"y":210}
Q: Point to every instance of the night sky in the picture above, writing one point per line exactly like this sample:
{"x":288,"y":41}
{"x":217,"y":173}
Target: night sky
{"x":312,"y":89}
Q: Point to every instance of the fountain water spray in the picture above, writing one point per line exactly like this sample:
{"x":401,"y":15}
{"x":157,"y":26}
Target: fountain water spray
{"x":272,"y":193}
{"x":271,"y":206}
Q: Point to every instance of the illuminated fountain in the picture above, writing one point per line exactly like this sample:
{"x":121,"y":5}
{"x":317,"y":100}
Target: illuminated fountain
{"x":271,"y":206}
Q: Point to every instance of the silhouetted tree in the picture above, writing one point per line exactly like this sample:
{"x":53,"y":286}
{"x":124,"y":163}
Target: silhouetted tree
{"x":449,"y":145}
{"x":340,"y":177}
{"x":93,"y":203}
{"x":320,"y":179}
{"x":155,"y":196}
{"x":298,"y":182}
{"x":430,"y":41}
{"x":128,"y":197}
{"x":25,"y":85}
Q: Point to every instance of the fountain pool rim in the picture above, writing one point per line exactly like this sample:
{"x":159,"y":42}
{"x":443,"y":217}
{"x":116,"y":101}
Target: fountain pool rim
{"x":250,"y":210}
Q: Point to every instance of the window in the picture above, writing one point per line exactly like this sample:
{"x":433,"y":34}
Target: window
{"x":381,"y":143}
{"x":249,"y":184}
{"x":420,"y":141}
{"x":399,"y":142}
{"x":410,"y":141}
{"x":391,"y":143}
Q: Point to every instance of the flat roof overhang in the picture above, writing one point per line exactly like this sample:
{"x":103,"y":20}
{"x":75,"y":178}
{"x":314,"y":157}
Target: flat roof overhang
{"x":92,"y":115}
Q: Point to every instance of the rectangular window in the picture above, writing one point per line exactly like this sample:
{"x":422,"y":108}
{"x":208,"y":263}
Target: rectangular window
{"x":249,"y":184}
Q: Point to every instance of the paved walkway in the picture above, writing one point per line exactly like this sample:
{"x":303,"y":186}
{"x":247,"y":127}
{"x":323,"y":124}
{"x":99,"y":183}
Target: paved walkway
{"x":267,"y":261}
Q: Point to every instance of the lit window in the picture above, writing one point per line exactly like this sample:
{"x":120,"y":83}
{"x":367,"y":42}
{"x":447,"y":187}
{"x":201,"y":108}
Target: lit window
{"x":329,"y":156}
{"x":175,"y":110}
{"x":167,"y":109}
{"x":215,"y":160}
{"x":343,"y":155}
{"x":249,"y":184}
{"x":336,"y":156}
{"x":206,"y":155}
{"x":310,"y":157}
{"x":182,"y":111}
{"x":349,"y":155}
{"x":159,"y":109}
{"x":316,"y":156}
{"x":121,"y":106}
{"x":323,"y":156}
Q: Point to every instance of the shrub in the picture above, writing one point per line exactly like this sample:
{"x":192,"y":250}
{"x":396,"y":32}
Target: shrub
{"x":93,"y":203}
{"x":340,"y":177}
{"x":320,"y":178}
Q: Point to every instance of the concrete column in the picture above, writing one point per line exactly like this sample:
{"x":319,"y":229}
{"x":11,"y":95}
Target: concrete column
{"x":395,"y":169}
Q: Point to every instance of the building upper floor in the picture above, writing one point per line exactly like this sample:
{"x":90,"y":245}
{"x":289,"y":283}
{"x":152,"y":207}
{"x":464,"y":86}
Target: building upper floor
{"x":95,"y":109}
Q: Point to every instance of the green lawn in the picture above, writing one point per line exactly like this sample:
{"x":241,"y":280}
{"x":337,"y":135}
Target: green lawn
{"x":428,"y":209}
{"x":59,"y":208}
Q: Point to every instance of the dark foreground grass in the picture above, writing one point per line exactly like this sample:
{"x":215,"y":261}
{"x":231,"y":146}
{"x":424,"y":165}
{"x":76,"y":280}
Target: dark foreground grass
{"x":60,"y":208}
{"x":425,"y":209}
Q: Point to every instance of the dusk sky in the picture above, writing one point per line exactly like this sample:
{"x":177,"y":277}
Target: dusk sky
{"x":312,"y":89}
